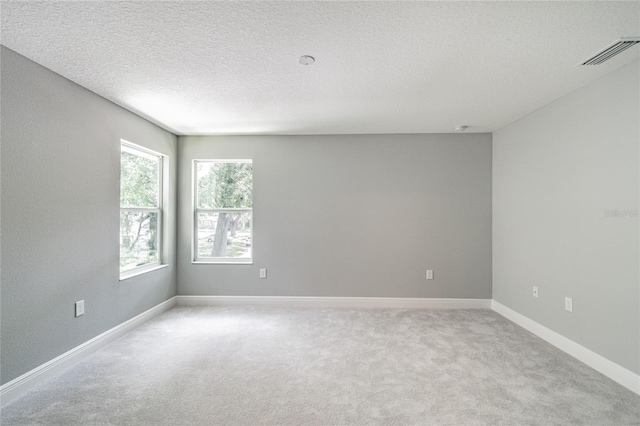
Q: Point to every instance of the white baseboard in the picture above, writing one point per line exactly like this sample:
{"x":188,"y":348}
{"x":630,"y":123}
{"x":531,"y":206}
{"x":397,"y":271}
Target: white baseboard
{"x":336,"y":302}
{"x":24,"y":383}
{"x":20,"y":385}
{"x":615,"y":372}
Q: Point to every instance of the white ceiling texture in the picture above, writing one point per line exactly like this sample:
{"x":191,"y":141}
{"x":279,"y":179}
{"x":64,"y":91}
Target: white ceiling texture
{"x":207,"y":67}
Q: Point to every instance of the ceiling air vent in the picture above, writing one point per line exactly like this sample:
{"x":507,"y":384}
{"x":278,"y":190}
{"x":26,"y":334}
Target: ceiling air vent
{"x":612,"y":50}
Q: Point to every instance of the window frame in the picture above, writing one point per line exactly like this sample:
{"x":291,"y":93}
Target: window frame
{"x":141,"y":151}
{"x":196,"y":211}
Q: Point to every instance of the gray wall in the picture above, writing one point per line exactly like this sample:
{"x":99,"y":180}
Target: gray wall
{"x":555,"y":172}
{"x":353,"y":216}
{"x":60,"y":215}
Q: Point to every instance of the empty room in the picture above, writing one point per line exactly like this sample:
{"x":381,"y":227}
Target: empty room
{"x":320,"y":213}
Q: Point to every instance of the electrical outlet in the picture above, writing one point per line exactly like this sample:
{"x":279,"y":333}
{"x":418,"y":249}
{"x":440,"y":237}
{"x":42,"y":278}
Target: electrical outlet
{"x":263,"y":273}
{"x":429,"y":274}
{"x":568,"y":304}
{"x":535,"y":291}
{"x":80,"y":308}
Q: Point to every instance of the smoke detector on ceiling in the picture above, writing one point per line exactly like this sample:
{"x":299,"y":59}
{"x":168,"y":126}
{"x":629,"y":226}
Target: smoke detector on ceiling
{"x":462,"y":128}
{"x":612,"y":50}
{"x":306,"y":60}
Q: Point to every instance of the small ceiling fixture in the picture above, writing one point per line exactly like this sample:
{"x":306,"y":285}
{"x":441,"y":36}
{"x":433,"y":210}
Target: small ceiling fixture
{"x":461,"y":128}
{"x":306,"y":60}
{"x":612,"y":50}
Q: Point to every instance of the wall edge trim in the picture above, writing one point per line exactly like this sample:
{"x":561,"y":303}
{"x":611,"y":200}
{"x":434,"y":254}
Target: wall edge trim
{"x":336,"y":302}
{"x":610,"y":369}
{"x":22,"y":384}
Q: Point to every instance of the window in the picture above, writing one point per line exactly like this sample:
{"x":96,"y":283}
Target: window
{"x":140,"y":209}
{"x":223,"y":212}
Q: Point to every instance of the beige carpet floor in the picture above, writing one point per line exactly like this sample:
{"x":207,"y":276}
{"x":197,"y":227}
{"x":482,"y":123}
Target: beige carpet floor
{"x":288,"y":366}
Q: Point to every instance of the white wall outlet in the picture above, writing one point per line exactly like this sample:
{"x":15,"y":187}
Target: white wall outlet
{"x":263,"y":273}
{"x":568,"y":304}
{"x":80,"y":308}
{"x":535,"y":291}
{"x":429,"y":274}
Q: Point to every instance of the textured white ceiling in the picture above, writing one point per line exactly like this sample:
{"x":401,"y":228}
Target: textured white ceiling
{"x":203,"y":67}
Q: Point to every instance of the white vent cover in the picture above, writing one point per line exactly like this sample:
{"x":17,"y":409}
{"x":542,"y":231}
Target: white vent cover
{"x":612,"y":50}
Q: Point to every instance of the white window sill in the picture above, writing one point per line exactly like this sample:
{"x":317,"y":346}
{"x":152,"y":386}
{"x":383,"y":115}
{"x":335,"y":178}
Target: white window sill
{"x":139,"y":271}
{"x":220,"y":262}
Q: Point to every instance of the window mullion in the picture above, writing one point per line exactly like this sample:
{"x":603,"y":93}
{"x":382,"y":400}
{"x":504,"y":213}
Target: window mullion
{"x":222,"y":210}
{"x":140,"y":209}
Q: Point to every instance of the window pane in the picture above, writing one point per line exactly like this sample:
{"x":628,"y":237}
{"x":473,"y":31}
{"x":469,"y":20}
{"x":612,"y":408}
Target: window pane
{"x":224,"y":234}
{"x":138,"y":239}
{"x":139,"y":181}
{"x":224,"y":185}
